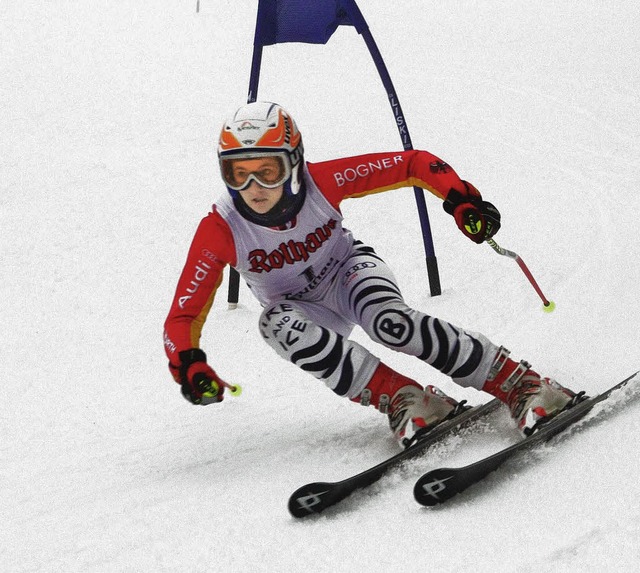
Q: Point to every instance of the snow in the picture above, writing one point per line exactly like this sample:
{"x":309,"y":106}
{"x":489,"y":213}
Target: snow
{"x":110,"y":112}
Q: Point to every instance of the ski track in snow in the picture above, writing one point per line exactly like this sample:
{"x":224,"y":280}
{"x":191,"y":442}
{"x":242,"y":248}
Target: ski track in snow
{"x":110,"y":112}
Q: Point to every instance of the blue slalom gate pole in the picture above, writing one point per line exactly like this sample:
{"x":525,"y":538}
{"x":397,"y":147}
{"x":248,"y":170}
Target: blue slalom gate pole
{"x":357,"y":19}
{"x":256,"y":61}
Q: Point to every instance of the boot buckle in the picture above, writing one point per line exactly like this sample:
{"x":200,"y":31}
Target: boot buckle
{"x":498,"y":363}
{"x":515,"y":376}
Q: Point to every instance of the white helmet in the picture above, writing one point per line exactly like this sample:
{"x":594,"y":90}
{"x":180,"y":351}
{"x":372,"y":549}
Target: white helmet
{"x":264,"y":129}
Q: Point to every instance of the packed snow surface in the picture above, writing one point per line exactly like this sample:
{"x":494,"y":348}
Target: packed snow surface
{"x":109,"y":117}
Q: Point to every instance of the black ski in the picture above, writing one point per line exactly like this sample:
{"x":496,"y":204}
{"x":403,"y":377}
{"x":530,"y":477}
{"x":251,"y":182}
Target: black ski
{"x":318,"y":496}
{"x":439,"y":485}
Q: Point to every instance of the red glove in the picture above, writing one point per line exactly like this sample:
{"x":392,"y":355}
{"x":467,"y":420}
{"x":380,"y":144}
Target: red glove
{"x":199,"y":382}
{"x":477,"y":219}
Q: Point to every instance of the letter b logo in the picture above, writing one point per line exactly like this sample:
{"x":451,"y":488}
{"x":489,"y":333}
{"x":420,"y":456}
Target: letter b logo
{"x":393,"y":328}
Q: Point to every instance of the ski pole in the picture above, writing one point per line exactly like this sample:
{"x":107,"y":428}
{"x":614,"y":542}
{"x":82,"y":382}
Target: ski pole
{"x":549,"y":305}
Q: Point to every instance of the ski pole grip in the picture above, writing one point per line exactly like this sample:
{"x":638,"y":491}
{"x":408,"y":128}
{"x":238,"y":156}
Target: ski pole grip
{"x":211,"y":395}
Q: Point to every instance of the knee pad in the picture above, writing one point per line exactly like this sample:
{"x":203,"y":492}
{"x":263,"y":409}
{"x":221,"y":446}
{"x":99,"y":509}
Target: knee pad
{"x":342,"y":364}
{"x":282,"y":325}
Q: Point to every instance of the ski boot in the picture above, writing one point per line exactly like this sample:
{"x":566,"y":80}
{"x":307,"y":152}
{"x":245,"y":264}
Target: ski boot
{"x":532,"y":400}
{"x":412,"y":409}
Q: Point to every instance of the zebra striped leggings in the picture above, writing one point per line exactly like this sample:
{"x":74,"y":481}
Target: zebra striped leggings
{"x":314,"y":334}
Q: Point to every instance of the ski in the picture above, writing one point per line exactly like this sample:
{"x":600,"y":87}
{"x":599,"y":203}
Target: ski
{"x":440,"y":485}
{"x":314,"y":498}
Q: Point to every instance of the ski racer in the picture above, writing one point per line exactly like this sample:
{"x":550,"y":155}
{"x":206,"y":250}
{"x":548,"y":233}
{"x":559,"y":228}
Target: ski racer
{"x":280,"y":226}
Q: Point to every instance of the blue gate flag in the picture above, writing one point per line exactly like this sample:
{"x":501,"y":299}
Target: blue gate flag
{"x":306,"y":21}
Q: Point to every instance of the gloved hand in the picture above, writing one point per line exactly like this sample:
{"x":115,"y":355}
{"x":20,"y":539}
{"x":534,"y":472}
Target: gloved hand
{"x":199,"y":382}
{"x":477,"y":219}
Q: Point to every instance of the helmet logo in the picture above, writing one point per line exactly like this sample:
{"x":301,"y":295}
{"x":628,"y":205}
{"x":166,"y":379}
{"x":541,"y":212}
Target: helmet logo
{"x":287,"y":131}
{"x":247,"y":125}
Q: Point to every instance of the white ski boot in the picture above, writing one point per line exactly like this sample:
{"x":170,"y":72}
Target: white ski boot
{"x":412,"y":410}
{"x":531,"y":399}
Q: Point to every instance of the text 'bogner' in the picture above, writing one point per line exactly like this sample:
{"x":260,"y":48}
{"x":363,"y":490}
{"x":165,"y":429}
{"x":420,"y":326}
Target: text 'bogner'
{"x":365,"y":169}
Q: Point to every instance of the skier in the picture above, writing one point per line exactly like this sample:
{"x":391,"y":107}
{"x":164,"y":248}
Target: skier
{"x":280,"y":226}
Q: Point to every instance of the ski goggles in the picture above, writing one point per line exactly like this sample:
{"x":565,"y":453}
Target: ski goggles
{"x":268,"y":170}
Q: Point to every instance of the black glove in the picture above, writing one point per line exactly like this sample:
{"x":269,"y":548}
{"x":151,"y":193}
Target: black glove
{"x":477,"y":219}
{"x":199,"y":383}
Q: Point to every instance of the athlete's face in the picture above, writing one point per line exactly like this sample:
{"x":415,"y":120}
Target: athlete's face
{"x":260,"y":199}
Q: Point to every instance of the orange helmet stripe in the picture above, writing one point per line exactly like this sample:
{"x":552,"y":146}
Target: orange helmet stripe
{"x":228,"y":140}
{"x":284,"y":132}
{"x":276,"y":136}
{"x":295,"y":137}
